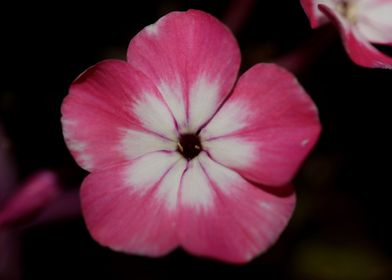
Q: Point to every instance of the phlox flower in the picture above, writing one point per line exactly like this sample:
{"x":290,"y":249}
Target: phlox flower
{"x":362,"y":23}
{"x":179,"y":154}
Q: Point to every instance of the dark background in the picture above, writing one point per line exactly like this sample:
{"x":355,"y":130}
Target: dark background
{"x":340,"y":229}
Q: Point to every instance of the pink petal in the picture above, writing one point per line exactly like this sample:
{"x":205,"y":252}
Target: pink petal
{"x":113,"y":113}
{"x":193,"y":59}
{"x":375,"y":21}
{"x":266,"y":128}
{"x":316,"y":18}
{"x":356,"y":45}
{"x":35,"y":194}
{"x":233,"y":221}
{"x":131,"y":207}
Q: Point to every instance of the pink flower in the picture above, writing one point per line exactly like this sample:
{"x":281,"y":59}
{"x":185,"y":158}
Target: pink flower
{"x":361,"y":23}
{"x":177,"y":161}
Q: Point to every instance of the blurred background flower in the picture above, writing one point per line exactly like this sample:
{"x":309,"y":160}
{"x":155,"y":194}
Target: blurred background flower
{"x":361,"y":24}
{"x":340,"y":229}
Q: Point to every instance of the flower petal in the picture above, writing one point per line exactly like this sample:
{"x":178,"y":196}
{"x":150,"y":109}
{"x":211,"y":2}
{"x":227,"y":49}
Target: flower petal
{"x":356,"y":45}
{"x":34,"y":195}
{"x":193,"y":59}
{"x":112,"y":114}
{"x":233,"y":221}
{"x":375,"y":21}
{"x":131,"y":208}
{"x":316,"y":17}
{"x":266,"y":128}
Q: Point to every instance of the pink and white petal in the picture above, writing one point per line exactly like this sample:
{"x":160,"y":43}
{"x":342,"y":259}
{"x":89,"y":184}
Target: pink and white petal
{"x":111,"y":109}
{"x":233,"y":221}
{"x":132,"y":208}
{"x":193,"y":59}
{"x":232,"y":151}
{"x":137,"y":143}
{"x":357,"y":46}
{"x":266,"y":128}
{"x":35,"y":194}
{"x":316,"y":17}
{"x":375,"y":21}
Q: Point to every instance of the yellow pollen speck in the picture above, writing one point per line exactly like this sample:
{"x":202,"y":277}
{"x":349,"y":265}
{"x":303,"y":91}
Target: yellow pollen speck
{"x":180,"y":147}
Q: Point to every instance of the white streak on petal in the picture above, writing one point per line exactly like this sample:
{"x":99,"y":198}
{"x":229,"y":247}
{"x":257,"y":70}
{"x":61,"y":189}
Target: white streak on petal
{"x":152,"y":29}
{"x":304,"y":142}
{"x":154,"y":115}
{"x":83,"y":158}
{"x":146,"y":171}
{"x":76,"y":146}
{"x":195,"y":187}
{"x":232,"y":117}
{"x":279,"y":218}
{"x":68,"y":127}
{"x":265,"y":205}
{"x":67,"y":122}
{"x":232,"y":184}
{"x":168,"y":189}
{"x":231,"y":151}
{"x":136,"y":143}
{"x":321,"y":17}
{"x":226,"y":180}
{"x":203,"y":102}
{"x":174,"y":98}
